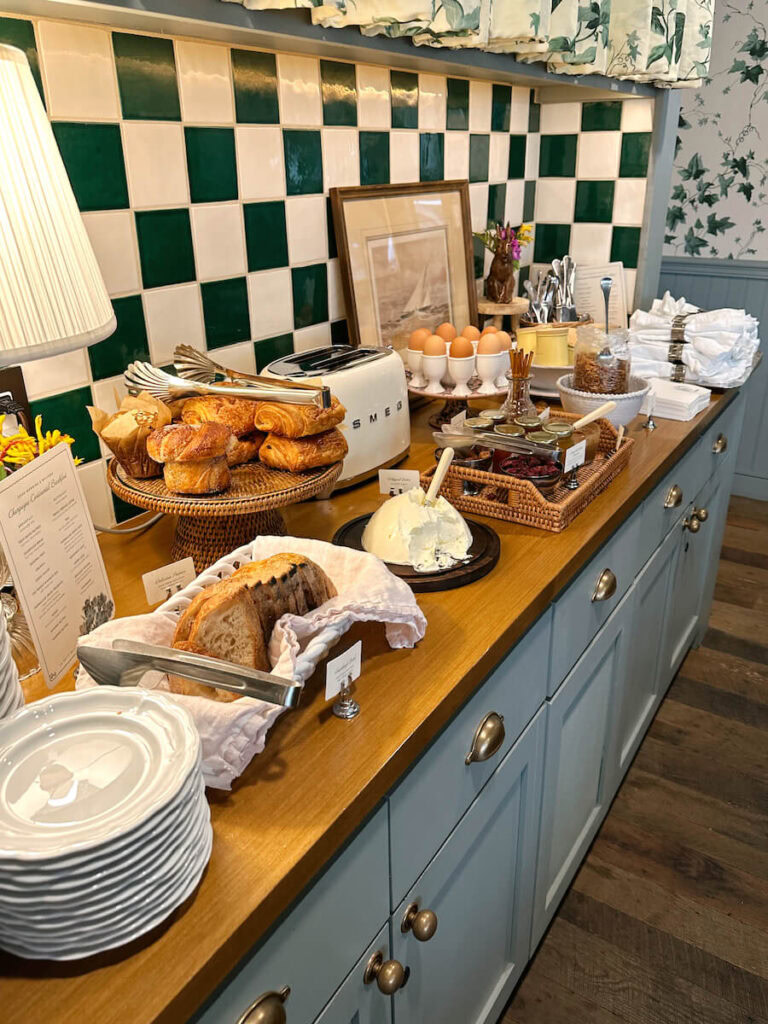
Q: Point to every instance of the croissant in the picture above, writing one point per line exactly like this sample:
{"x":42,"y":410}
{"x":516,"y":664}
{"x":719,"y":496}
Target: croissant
{"x":298,"y":453}
{"x":297,"y":420}
{"x":235,"y":413}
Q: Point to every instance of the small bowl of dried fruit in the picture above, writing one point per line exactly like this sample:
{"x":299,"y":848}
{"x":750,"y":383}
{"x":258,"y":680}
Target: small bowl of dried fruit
{"x":541,"y":471}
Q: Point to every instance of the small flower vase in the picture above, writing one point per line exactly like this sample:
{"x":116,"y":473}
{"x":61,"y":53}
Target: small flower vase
{"x":500,"y":285}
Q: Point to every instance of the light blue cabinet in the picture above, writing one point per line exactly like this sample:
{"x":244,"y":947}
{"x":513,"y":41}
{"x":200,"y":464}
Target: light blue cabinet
{"x":359,"y":1000}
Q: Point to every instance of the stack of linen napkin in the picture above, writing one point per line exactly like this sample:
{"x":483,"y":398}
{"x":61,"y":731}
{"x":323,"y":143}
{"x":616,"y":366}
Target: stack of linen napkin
{"x":715,"y":347}
{"x":671,"y":401}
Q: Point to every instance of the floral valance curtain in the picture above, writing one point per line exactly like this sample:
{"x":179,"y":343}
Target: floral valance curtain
{"x":661,"y":41}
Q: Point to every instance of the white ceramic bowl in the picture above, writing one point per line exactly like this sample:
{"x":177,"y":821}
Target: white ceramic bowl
{"x":627,"y":406}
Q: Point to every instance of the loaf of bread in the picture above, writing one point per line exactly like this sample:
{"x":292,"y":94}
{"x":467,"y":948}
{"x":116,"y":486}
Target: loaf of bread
{"x":298,"y":453}
{"x":185,"y":442}
{"x":244,"y":449}
{"x":233,"y":619}
{"x":206,"y":476}
{"x":297,"y":420}
{"x":235,"y":413}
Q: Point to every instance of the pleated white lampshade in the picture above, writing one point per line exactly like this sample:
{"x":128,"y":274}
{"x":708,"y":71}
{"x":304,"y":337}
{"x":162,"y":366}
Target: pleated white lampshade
{"x":52,"y":295}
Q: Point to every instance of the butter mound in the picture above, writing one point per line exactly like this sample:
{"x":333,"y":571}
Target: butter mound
{"x":407,"y":532}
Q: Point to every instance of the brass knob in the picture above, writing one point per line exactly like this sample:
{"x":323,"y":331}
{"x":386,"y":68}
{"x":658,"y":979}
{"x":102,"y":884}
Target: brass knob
{"x":605,"y":586}
{"x":423,"y":923}
{"x":266,"y":1009}
{"x":389,"y":975}
{"x":674,"y":497}
{"x":489,"y":736}
{"x":693,"y":524}
{"x":701,"y":514}
{"x":720,"y":445}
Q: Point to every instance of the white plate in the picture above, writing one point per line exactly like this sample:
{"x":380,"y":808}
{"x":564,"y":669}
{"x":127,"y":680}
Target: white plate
{"x":81,"y":768}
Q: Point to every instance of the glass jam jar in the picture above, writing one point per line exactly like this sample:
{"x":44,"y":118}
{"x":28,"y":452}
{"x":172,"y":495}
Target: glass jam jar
{"x":528,"y":423}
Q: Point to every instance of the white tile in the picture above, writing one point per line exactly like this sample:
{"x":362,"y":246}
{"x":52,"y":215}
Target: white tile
{"x":433,"y":91}
{"x":299,"y":90}
{"x":341,"y":157}
{"x":240,"y":357}
{"x":271,"y":302}
{"x":478,"y":205}
{"x":637,"y":115}
{"x":532,"y":145}
{"x":55,"y":374}
{"x":555,"y":200}
{"x":456,"y":155}
{"x":480,"y":96}
{"x":591,"y":243}
{"x":113,"y":237}
{"x":558,"y":118}
{"x":498,"y":159}
{"x":93,"y":479}
{"x":630,"y":280}
{"x":598,"y":155}
{"x":336,"y":308}
{"x":260,"y":162}
{"x":629,"y":201}
{"x":79,"y":71}
{"x":108,"y":394}
{"x":306,"y":227}
{"x":513,"y":205}
{"x":219,"y":239}
{"x":205,"y":82}
{"x":403,"y":157}
{"x":373,"y":104}
{"x":316,"y":336}
{"x":155,"y":163}
{"x":518,"y":111}
{"x":174,"y":315}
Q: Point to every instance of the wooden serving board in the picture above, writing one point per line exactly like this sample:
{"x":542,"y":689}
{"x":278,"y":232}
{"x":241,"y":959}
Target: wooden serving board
{"x":483,"y":556}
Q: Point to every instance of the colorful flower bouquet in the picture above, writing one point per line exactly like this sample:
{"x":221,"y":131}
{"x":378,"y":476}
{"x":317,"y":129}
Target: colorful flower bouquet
{"x":506,"y":243}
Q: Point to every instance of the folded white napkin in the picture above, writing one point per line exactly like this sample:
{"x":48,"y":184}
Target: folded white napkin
{"x":672,"y":401}
{"x":233,"y":732}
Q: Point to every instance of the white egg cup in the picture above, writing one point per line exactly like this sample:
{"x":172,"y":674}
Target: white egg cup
{"x":502,"y":367}
{"x":487,"y":369}
{"x":433,"y":368}
{"x":460,"y":370}
{"x":414,"y":365}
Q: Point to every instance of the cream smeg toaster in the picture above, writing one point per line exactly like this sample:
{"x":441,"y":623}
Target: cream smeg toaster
{"x":370,"y":383}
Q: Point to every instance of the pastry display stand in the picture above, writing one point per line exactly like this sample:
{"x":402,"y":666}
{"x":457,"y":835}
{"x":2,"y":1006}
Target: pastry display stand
{"x":211,"y":525}
{"x":496,"y":311}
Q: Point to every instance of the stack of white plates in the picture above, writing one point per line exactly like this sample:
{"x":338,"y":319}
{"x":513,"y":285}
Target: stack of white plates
{"x":104,"y":825}
{"x":11,"y":694}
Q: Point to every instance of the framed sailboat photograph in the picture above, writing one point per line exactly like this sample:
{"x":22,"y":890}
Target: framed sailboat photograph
{"x":405,"y":256}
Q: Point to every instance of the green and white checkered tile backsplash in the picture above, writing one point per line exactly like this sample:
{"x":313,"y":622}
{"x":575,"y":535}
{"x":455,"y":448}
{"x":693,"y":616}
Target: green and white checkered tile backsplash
{"x":202,"y":172}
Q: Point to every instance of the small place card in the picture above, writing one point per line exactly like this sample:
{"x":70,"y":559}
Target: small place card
{"x":162,"y":583}
{"x":396,"y":481}
{"x":575,"y":456}
{"x":457,"y":423}
{"x":343,"y":670}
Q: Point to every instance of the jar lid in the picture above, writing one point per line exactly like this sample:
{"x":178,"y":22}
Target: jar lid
{"x":528,"y":422}
{"x":541,"y":437}
{"x":494,"y":415}
{"x":478,"y":423}
{"x":509,"y":430}
{"x":559,"y":428}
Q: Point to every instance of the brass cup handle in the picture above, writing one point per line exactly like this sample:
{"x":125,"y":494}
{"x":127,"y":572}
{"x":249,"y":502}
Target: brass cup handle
{"x":692,"y":523}
{"x":488,"y":738}
{"x":605,"y":587}
{"x":389,"y":975}
{"x":423,"y":923}
{"x":701,"y":514}
{"x":267,"y":1008}
{"x":720,"y":445}
{"x":674,"y":497}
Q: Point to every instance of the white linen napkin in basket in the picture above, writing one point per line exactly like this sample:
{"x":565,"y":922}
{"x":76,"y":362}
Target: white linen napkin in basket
{"x":233,"y":732}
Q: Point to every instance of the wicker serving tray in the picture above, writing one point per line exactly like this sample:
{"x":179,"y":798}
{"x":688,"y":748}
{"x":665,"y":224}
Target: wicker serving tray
{"x":520,"y":501}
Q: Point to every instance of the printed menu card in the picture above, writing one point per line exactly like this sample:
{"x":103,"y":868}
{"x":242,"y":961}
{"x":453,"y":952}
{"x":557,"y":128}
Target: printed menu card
{"x":51,"y":548}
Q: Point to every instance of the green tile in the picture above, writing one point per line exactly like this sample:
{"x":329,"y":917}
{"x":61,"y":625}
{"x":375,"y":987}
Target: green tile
{"x":594,"y":202}
{"x":310,"y":295}
{"x":478,"y":257}
{"x":501,"y":102}
{"x":225,"y":312}
{"x":374,"y":158}
{"x":523,"y":275}
{"x":457,"y":111}
{"x":265,"y":236}
{"x":20,"y":33}
{"x":517,"y":144}
{"x":339,"y":332}
{"x":404,"y":90}
{"x":123,"y":510}
{"x":635,"y":151}
{"x":478,"y":157}
{"x":497,"y":198}
{"x":625,"y":246}
{"x":534,"y":113}
{"x":303,"y":161}
{"x":529,"y":201}
{"x":146,"y":76}
{"x":110,"y":357}
{"x":211,"y":164}
{"x":551,"y":241}
{"x":165,"y":247}
{"x":431,"y":156}
{"x":339,"y":92}
{"x":557,"y":156}
{"x":67,"y":412}
{"x":272,"y":348}
{"x":333,"y":250}
{"x":93,"y":156}
{"x":254,"y":75}
{"x":603,"y":116}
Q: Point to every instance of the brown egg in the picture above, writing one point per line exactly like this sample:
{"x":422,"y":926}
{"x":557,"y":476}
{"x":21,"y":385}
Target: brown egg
{"x":471,"y":332}
{"x":434,"y":346}
{"x":488,"y":345}
{"x":489,"y":329}
{"x":446,"y":331}
{"x":461,"y":347}
{"x":505,"y":339}
{"x":417,"y":339}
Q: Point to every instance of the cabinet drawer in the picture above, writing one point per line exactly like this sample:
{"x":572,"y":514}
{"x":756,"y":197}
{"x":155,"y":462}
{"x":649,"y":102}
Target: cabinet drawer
{"x":358,"y":1002}
{"x":314,"y":947}
{"x":665,"y":506}
{"x":579,"y":612}
{"x":720,"y":443}
{"x":428,"y":803}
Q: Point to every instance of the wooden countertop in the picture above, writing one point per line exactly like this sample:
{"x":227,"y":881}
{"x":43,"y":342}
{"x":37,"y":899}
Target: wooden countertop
{"x":319,"y":777}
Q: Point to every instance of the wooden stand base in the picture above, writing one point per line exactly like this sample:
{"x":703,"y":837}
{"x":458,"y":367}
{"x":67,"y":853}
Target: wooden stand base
{"x":207,"y":539}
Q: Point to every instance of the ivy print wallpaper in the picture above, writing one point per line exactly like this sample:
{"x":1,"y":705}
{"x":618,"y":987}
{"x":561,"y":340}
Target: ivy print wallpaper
{"x":719,"y":187}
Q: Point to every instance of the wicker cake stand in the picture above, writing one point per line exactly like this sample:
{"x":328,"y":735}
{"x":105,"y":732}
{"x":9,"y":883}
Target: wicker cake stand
{"x":210,"y":526}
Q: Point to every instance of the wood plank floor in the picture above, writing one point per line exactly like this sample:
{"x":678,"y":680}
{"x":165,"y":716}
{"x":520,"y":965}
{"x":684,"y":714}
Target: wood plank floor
{"x":667,"y":920}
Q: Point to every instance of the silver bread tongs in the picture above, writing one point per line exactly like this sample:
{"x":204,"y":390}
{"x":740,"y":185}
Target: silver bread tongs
{"x":128,"y":660}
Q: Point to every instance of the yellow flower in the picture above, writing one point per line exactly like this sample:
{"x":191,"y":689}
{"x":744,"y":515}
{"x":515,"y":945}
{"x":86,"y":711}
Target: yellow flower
{"x":525,"y":234}
{"x":21,"y":447}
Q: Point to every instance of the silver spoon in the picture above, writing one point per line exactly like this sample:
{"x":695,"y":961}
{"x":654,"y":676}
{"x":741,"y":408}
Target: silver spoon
{"x":606,"y":283}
